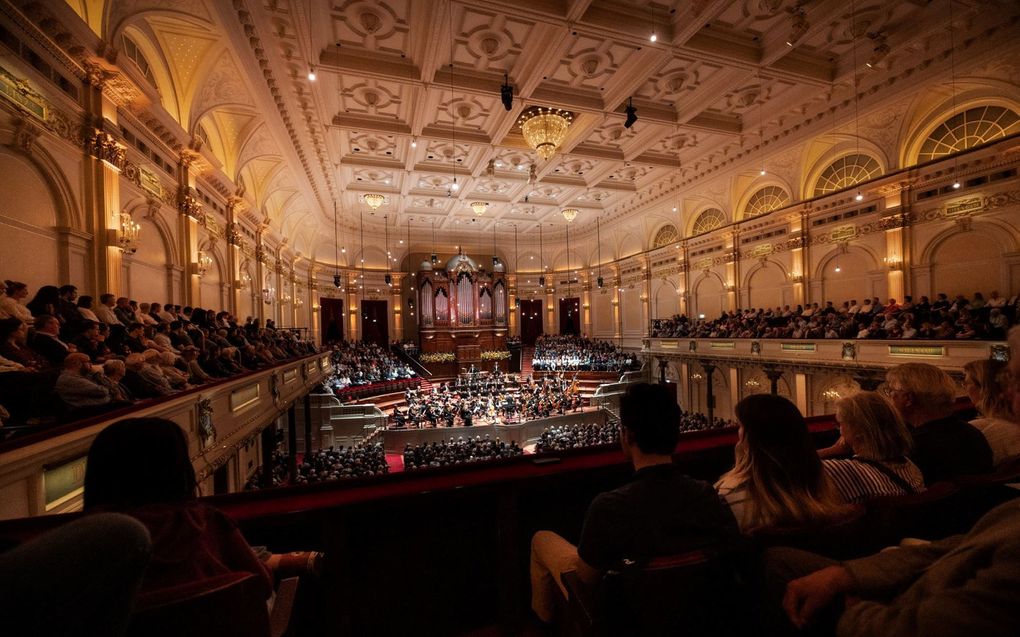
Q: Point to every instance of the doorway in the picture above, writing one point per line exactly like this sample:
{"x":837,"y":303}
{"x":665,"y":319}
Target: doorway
{"x":331,"y":320}
{"x":570,"y":316}
{"x":531,"y":321}
{"x":375,"y":324}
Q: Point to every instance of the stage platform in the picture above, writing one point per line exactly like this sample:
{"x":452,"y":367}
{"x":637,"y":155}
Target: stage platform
{"x":394,"y":440}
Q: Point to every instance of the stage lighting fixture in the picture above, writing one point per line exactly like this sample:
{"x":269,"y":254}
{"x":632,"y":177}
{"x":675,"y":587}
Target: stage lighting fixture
{"x":506,"y":93}
{"x":631,"y":114}
{"x":337,"y":281}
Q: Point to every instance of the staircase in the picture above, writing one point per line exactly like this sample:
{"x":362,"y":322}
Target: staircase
{"x":425,"y":386}
{"x":527,"y":354}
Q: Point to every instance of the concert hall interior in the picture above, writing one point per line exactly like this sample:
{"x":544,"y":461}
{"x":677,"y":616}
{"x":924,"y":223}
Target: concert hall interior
{"x":547,"y":317}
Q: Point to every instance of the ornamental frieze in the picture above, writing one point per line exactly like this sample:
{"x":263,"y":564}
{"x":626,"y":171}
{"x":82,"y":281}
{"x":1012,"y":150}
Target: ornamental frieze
{"x":104,"y":147}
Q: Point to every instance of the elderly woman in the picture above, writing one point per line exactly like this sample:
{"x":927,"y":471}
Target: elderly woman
{"x":877,"y":437}
{"x":168,"y":365}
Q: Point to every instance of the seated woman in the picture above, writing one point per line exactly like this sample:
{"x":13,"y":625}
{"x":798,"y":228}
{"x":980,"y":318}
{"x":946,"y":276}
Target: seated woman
{"x":873,"y":431}
{"x":984,"y":381}
{"x":140,"y":466}
{"x":777,"y":480}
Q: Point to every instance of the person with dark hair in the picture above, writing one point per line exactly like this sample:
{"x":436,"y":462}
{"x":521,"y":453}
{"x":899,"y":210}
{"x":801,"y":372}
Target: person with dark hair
{"x":777,"y":479}
{"x":190,"y":541}
{"x":124,"y":312}
{"x":660,"y":512}
{"x":46,"y":301}
{"x":85,"y":309}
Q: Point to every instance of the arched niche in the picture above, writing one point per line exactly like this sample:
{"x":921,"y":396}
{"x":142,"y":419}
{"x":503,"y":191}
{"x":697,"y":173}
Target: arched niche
{"x":211,"y":288}
{"x":147,"y":269}
{"x":665,"y":299}
{"x":29,"y":250}
{"x":709,"y":294}
{"x":858,"y":277}
{"x":767,"y":286}
{"x":967,"y":261}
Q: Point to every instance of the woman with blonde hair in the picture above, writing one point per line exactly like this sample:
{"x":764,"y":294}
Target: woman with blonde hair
{"x":984,"y":382}
{"x":875,"y":433}
{"x":777,"y":480}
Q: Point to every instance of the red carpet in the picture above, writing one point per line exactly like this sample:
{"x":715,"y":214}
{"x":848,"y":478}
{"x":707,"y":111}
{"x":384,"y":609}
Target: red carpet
{"x":395,"y":461}
{"x":526,"y":356}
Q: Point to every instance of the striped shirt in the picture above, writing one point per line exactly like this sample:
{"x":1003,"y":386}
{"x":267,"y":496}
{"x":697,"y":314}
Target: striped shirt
{"x":859,"y":481}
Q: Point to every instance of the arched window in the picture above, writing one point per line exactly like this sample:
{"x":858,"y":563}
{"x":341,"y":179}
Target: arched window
{"x":846,"y":172}
{"x":708,"y":221}
{"x":970,"y":128}
{"x":134,"y":54}
{"x":765,"y":200}
{"x":666,"y":235}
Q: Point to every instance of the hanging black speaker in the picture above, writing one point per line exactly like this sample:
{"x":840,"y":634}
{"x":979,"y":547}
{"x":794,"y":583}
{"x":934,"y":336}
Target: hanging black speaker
{"x":337,"y":280}
{"x":410,"y":302}
{"x":435,"y":258}
{"x":389,"y":280}
{"x":541,"y":281}
{"x":601,"y":282}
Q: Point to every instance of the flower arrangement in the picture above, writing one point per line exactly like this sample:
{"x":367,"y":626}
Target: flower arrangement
{"x":437,"y":357}
{"x":496,"y":355}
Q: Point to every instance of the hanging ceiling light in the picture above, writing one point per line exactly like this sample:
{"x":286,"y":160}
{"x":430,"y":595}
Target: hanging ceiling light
{"x":373,"y":200}
{"x":569,"y":214}
{"x":545,"y":129}
{"x":479,"y":207}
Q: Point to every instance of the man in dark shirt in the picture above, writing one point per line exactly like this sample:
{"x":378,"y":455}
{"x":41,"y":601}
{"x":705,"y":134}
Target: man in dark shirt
{"x":944,"y":446}
{"x":659,"y":512}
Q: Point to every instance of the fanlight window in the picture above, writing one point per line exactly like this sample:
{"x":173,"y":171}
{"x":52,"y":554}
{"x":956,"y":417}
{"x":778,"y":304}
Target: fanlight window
{"x":846,"y":172}
{"x":970,"y":128}
{"x":666,"y":235}
{"x":765,"y":200}
{"x":708,"y":221}
{"x":134,"y":54}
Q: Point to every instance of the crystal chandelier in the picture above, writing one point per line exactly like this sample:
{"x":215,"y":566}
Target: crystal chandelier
{"x":569,"y":214}
{"x":373,"y":200}
{"x":479,"y":207}
{"x":545,"y":128}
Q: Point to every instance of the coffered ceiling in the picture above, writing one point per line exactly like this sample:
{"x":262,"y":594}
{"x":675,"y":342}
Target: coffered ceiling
{"x":406,"y":96}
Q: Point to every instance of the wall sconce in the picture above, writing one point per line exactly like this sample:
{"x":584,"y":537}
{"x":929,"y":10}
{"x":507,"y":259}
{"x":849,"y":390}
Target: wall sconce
{"x":893,"y":263}
{"x":127,"y":238}
{"x":267,"y":295}
{"x":831,"y":395}
{"x":202,"y":263}
{"x":731,"y":288}
{"x":752,"y":383}
{"x":696,"y":376}
{"x":244,"y":282}
{"x":796,"y":277}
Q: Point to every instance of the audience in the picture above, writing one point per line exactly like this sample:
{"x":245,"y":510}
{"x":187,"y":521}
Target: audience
{"x":959,"y":586}
{"x":660,"y":512}
{"x":985,"y":383}
{"x":362,"y":363}
{"x":459,"y":451}
{"x":170,"y":355}
{"x":555,"y":353}
{"x":944,"y":446}
{"x":962,"y":319}
{"x":777,"y":480}
{"x":874,"y":433}
{"x":340,"y":464}
{"x":577,"y":436}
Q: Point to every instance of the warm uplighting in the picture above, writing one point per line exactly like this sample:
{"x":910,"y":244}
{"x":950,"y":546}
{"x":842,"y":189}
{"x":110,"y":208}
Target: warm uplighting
{"x":569,"y":214}
{"x":544,"y":129}
{"x":373,"y":200}
{"x":311,"y":74}
{"x":859,"y":197}
{"x":479,"y":207}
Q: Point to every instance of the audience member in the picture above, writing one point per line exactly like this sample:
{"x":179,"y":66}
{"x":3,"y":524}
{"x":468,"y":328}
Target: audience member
{"x":46,"y":340}
{"x":985,"y":383}
{"x":75,"y":387}
{"x":565,"y":352}
{"x":11,"y":305}
{"x":879,"y":440}
{"x":944,"y":446}
{"x":777,"y":480}
{"x":460,"y":451}
{"x":577,"y":436}
{"x":190,"y":541}
{"x":660,"y":512}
